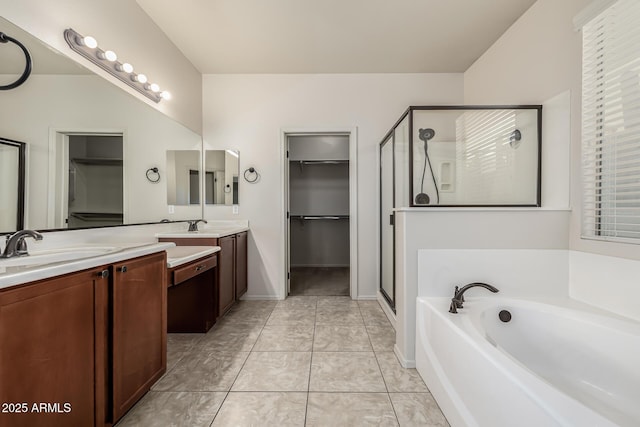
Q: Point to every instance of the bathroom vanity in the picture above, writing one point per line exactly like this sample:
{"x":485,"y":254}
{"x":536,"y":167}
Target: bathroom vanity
{"x":101,"y":334}
{"x":192,"y":300}
{"x":232,"y":258}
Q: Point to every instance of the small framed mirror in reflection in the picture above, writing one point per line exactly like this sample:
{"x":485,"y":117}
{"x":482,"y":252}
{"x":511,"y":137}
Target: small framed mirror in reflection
{"x":12,"y":176}
{"x":221,"y":177}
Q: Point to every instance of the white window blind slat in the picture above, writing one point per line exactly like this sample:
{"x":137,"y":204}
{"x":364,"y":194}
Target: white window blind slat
{"x":611,"y":124}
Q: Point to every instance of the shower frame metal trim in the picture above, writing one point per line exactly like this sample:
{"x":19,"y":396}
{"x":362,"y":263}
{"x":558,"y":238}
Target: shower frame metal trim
{"x":410,"y":111}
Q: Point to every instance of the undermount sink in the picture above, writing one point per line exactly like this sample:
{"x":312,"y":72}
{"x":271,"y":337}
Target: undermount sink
{"x":57,"y":255}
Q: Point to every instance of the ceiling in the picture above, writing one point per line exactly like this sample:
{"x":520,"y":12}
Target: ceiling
{"x":333,"y":36}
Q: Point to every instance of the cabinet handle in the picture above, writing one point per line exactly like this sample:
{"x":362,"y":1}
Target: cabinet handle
{"x":123,"y":269}
{"x":199,"y":267}
{"x":103,"y":274}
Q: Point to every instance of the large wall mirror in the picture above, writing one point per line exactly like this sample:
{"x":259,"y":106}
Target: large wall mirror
{"x":88,"y":145}
{"x":221,"y":177}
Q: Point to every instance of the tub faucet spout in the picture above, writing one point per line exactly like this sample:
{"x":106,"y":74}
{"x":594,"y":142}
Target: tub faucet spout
{"x":458,"y":296}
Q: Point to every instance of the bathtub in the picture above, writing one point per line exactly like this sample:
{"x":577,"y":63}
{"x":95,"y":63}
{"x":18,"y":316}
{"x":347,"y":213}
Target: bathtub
{"x":555,"y":363}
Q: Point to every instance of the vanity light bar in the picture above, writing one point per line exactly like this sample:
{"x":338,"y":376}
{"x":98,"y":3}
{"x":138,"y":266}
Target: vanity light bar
{"x":108,"y":61}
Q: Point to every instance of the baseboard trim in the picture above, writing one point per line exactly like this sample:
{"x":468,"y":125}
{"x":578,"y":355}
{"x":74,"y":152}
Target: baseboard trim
{"x":406,"y":363}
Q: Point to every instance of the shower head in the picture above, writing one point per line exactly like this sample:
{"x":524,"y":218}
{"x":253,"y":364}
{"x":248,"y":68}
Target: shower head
{"x":426,"y":134}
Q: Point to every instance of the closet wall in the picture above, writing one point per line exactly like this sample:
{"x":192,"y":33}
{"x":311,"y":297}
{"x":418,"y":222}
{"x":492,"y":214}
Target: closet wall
{"x":319,"y":200}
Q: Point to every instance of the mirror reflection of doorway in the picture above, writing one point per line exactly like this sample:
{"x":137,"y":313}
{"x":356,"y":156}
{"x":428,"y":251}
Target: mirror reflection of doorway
{"x":194,"y":187}
{"x":95,"y":182}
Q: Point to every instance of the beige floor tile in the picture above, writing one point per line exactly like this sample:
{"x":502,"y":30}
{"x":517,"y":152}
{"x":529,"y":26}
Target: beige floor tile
{"x":246,"y":317}
{"x":230,"y":337}
{"x":274,"y":371}
{"x":383,"y":338}
{"x":292,"y":316}
{"x":175,"y":409}
{"x":341,"y":338}
{"x":373,"y":315}
{"x":397,"y":378}
{"x":178,"y":345}
{"x":349,"y":410}
{"x":203,"y":371}
{"x":346,"y":371}
{"x":262,"y":409}
{"x":303,"y":302}
{"x":337,"y":302}
{"x":417,"y":409}
{"x":285,"y":338}
{"x":338,"y":316}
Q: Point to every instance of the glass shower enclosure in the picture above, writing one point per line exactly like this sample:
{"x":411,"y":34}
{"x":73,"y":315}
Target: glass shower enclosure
{"x":454,"y":157}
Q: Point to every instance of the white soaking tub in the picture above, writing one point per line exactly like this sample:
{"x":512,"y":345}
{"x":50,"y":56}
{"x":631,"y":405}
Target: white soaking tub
{"x":557,"y":363}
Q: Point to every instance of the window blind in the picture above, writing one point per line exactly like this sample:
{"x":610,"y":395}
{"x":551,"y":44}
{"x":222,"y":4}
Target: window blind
{"x":611,"y":124}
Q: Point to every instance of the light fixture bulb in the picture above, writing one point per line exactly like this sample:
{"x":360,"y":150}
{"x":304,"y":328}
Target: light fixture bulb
{"x":110,"y":56}
{"x":128,"y":68}
{"x":165,"y":95}
{"x":90,"y":42}
{"x":141,"y":78}
{"x":154,"y":87}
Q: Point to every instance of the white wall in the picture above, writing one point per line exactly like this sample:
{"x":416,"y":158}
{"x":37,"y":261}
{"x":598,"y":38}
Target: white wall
{"x":87,"y":103}
{"x":473,"y":228}
{"x":538,"y":57}
{"x":120,"y":25}
{"x":249,"y":112}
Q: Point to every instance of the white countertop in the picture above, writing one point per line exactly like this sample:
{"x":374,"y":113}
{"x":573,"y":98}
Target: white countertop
{"x":205,"y":232}
{"x":179,"y":255}
{"x":16,"y":275}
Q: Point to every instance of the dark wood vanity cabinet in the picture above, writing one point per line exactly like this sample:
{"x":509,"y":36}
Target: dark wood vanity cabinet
{"x":232,"y":265}
{"x":138,"y":334}
{"x":241,"y":264}
{"x":192,"y":296}
{"x":48,"y":355}
{"x":226,"y":273}
{"x":82,"y":347}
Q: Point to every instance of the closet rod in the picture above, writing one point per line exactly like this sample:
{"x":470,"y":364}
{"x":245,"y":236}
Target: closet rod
{"x":316,"y":217}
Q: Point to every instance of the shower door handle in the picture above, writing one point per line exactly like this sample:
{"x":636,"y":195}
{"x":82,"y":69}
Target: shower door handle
{"x":392,"y":219}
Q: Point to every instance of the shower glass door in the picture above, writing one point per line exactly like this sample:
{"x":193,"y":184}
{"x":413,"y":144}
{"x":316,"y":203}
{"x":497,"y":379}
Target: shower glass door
{"x":387,"y":220}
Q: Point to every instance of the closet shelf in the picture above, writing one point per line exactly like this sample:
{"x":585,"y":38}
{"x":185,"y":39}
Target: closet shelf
{"x":319,"y":217}
{"x":98,"y":161}
{"x":301,"y":163}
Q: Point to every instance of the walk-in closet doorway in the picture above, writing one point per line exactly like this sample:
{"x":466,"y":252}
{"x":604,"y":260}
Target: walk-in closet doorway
{"x":320,"y":213}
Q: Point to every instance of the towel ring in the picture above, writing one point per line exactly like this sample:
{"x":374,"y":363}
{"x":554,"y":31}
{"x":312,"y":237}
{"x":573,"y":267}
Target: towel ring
{"x":153,"y":171}
{"x":251,"y":175}
{"x":27,"y":69}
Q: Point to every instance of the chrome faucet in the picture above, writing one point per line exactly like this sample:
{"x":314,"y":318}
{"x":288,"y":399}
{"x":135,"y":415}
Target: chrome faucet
{"x":16,"y":245}
{"x":458,"y":295}
{"x":193,"y":224}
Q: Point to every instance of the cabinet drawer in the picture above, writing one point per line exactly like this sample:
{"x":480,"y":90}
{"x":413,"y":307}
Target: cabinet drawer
{"x":193,"y":269}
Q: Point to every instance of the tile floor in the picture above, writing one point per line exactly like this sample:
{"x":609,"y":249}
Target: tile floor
{"x":320,"y":281}
{"x":305,"y":361}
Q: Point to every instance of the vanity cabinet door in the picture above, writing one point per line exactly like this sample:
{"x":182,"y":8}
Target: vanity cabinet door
{"x":226,"y":274}
{"x":241,"y":264}
{"x":139,"y":340}
{"x":50,"y":366}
